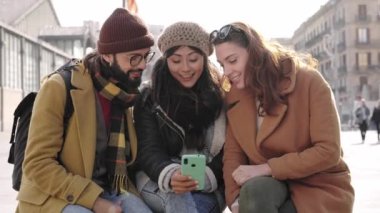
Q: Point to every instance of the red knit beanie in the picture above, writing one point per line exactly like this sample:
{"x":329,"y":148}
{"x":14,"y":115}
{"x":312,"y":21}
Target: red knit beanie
{"x":123,"y":32}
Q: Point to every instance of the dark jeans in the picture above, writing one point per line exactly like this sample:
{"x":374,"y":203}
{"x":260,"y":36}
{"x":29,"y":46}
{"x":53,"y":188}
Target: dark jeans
{"x":363,"y":126}
{"x":190,"y":202}
{"x":265,"y":195}
{"x":377,"y":124}
{"x":129,"y":203}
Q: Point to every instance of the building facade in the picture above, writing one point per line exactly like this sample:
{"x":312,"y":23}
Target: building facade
{"x":344,"y":35}
{"x":23,"y":62}
{"x":75,"y":41}
{"x":24,"y":57}
{"x":33,"y":44}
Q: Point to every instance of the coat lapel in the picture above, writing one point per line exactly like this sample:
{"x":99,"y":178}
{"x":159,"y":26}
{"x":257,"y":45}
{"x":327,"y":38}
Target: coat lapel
{"x":241,"y":118}
{"x":270,"y":123}
{"x":242,"y":114}
{"x":84,"y":107}
{"x":287,"y":85}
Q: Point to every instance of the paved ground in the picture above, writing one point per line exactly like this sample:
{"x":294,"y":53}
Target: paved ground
{"x":363,"y":160}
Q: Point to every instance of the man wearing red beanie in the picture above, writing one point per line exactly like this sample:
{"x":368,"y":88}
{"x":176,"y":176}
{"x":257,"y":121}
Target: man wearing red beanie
{"x":83,"y":166}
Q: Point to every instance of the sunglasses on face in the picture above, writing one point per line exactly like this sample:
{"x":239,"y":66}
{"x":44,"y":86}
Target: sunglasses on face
{"x":222,"y":33}
{"x":135,"y":59}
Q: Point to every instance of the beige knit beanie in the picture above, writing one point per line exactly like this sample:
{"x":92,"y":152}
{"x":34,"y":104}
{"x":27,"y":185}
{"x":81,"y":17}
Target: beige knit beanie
{"x":185,"y":33}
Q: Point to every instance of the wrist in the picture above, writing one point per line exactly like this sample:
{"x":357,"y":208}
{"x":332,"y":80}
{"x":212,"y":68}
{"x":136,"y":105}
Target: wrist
{"x":267,"y":169}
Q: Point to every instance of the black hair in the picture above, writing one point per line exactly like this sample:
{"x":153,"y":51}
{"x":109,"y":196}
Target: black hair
{"x":194,"y":109}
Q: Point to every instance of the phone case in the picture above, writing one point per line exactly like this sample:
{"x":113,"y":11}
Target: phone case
{"x":194,"y":165}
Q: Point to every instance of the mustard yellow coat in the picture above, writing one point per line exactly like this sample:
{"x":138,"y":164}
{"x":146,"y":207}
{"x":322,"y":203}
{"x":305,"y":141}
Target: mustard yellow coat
{"x":48,"y":186}
{"x":301,"y":143}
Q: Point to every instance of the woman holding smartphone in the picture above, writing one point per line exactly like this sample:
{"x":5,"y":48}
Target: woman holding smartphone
{"x":181,"y":112}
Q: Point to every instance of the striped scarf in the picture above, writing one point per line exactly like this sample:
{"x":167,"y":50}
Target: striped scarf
{"x":118,"y":147}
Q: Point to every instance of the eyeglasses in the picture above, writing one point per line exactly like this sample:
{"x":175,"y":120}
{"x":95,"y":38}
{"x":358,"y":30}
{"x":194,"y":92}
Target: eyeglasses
{"x":222,"y":33}
{"x":135,"y":59}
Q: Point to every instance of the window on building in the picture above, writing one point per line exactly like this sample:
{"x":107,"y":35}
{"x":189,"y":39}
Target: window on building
{"x":68,"y":47}
{"x":328,"y":65}
{"x":61,"y":45}
{"x":78,"y":49}
{"x":362,"y":59}
{"x":340,"y":14}
{"x":362,"y":11}
{"x":59,"y":61}
{"x":12,"y":61}
{"x":46,"y":64}
{"x":31,"y":68}
{"x":369,"y":59}
{"x":342,"y":82}
{"x":343,"y":60}
{"x":363,"y":80}
{"x":363,"y":35}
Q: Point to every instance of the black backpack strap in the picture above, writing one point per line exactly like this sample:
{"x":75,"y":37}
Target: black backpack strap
{"x":20,"y":110}
{"x":13,"y":135}
{"x":69,"y":108}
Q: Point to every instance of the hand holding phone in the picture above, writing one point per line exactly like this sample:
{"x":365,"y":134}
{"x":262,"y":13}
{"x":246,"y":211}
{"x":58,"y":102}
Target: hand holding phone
{"x":194,"y":165}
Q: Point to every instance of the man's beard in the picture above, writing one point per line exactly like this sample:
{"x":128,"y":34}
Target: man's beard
{"x":125,"y":80}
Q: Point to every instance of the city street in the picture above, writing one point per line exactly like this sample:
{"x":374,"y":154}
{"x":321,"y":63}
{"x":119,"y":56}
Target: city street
{"x":363,"y":160}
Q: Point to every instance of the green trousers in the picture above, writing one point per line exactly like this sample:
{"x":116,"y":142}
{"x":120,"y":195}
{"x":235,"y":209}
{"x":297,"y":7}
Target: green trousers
{"x":265,"y":195}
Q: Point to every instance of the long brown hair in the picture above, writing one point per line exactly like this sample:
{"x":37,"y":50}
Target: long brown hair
{"x":264,"y":72}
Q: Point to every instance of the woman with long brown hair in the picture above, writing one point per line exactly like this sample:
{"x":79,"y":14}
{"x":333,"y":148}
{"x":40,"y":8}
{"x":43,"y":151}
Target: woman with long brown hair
{"x":282,"y":151}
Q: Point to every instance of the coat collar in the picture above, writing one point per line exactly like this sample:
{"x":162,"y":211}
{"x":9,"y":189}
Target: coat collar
{"x":287,"y":85}
{"x":242,"y":114}
{"x":83,"y":97}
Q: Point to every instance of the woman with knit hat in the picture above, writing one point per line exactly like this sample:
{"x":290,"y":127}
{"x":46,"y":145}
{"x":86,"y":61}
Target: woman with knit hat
{"x":83,"y":166}
{"x":181,"y":112}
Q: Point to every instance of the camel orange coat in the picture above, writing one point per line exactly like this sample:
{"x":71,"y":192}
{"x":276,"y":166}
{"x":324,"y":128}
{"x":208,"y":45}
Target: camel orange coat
{"x":47,"y":186}
{"x":300,"y":143}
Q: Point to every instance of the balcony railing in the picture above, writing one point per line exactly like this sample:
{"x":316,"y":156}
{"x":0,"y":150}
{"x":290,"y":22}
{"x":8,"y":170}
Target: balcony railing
{"x":361,"y":44}
{"x":342,"y":89}
{"x":339,"y":23}
{"x":342,"y":70}
{"x":316,"y":38}
{"x":321,"y":56}
{"x":341,"y":46}
{"x":368,"y":68}
{"x":363,"y":18}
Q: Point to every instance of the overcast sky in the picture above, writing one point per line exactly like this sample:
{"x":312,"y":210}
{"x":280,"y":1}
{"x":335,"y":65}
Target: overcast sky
{"x":273,"y":18}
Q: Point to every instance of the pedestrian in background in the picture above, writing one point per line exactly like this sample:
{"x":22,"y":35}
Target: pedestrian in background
{"x":87,"y":171}
{"x":375,"y":118}
{"x":181,"y":112}
{"x":362,"y":114}
{"x":282,"y":150}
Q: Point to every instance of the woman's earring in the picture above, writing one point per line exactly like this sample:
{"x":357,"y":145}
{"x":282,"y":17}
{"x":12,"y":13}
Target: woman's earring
{"x":226,"y":84}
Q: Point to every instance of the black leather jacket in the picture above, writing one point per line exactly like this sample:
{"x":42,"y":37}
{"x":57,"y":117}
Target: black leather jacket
{"x":160,"y":140}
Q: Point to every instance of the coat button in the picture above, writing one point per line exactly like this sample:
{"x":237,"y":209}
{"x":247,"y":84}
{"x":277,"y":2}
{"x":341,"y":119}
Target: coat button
{"x":70,"y":198}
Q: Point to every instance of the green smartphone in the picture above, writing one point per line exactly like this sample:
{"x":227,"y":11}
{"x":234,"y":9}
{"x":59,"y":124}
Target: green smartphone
{"x":194,"y":165}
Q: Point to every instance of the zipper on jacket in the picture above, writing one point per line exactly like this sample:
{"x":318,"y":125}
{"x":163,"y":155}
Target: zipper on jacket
{"x":171,"y":124}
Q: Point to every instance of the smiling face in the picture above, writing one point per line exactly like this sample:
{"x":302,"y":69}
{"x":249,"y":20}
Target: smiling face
{"x":127,"y":67}
{"x":233,"y":58}
{"x":186,"y":66}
